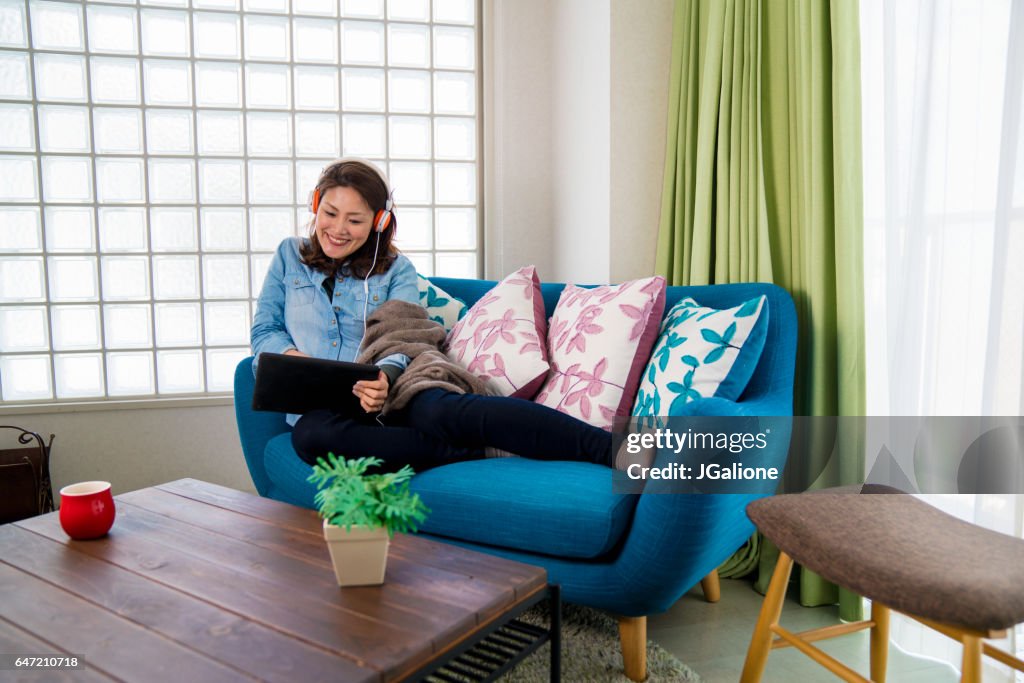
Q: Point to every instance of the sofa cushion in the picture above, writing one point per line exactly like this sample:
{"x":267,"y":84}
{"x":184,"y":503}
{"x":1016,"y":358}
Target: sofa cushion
{"x":564,"y":509}
{"x":599,"y":341}
{"x":501,"y":339}
{"x":441,"y":306}
{"x":702,"y":352}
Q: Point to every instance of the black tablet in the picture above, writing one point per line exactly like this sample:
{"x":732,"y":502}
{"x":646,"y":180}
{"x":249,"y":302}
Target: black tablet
{"x":299,"y":384}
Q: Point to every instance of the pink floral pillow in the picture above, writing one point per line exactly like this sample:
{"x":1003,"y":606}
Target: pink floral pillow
{"x":501,"y":338}
{"x":599,"y":341}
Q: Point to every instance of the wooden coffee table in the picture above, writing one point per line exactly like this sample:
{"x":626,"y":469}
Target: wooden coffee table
{"x":203,"y":583}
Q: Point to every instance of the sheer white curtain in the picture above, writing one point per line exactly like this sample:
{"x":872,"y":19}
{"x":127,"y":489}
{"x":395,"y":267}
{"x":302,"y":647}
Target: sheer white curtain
{"x":944,"y":229}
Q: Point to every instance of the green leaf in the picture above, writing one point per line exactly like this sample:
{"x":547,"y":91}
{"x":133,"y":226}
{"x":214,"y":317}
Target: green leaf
{"x":678,"y":402}
{"x":347,"y":496}
{"x":715,"y":354}
{"x":711,"y":336}
{"x":435,"y":301}
{"x":748,"y":308}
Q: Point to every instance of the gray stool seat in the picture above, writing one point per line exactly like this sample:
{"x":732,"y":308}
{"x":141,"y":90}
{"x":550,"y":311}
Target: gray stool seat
{"x":901,"y":552}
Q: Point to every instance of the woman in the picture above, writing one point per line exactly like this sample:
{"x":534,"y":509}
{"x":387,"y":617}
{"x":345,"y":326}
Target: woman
{"x":316,"y":298}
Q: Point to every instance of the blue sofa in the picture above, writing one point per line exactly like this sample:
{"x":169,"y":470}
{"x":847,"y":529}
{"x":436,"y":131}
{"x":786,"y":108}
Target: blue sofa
{"x":629,"y":554}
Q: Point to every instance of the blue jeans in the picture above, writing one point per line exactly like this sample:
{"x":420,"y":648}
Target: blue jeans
{"x":438,"y":427}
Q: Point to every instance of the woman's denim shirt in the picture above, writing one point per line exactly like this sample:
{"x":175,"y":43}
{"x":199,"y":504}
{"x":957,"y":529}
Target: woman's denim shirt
{"x":295,"y":312}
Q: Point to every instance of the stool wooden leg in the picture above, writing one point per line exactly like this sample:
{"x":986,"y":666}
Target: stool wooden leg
{"x":711,"y":586}
{"x":879,"y":641}
{"x":971,"y":668}
{"x":761,"y":641}
{"x":633,"y":639}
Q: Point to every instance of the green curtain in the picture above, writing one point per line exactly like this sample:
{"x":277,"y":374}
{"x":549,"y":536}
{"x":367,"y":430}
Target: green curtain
{"x":763,"y":183}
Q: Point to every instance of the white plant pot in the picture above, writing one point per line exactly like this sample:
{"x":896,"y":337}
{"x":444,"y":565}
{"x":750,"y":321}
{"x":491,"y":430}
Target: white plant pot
{"x":359,"y":556}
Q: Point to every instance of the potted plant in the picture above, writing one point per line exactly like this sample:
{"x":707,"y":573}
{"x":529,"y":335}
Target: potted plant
{"x":361,"y":512}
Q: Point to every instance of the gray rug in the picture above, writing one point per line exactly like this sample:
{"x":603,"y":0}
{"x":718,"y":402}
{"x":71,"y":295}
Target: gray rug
{"x":590,"y":652}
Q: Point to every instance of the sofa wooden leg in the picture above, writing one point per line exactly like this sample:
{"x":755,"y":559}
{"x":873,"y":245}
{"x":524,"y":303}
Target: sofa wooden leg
{"x":633,"y":636}
{"x":711,"y":586}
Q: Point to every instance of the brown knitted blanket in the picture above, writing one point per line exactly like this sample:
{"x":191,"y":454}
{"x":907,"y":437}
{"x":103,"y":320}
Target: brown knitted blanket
{"x":401,"y":327}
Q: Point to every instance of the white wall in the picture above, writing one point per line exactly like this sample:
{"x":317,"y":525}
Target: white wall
{"x":582,"y":145}
{"x":574,"y":128}
{"x":140,"y":447}
{"x":518,"y":161}
{"x":641,"y":58}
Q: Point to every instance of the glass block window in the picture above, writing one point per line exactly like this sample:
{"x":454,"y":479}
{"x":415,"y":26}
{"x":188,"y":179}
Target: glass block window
{"x":153,"y":153}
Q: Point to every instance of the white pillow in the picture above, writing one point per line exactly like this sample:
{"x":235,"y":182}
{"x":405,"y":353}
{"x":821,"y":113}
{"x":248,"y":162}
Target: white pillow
{"x":501,"y":338}
{"x":441,"y":306}
{"x":702,"y":352}
{"x":599,"y":341}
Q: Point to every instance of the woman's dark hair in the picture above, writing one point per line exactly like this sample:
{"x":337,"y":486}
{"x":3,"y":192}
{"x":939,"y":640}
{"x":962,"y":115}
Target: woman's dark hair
{"x":370,"y":185}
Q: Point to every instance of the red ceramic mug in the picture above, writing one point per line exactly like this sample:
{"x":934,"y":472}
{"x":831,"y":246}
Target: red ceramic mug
{"x":86,"y":509}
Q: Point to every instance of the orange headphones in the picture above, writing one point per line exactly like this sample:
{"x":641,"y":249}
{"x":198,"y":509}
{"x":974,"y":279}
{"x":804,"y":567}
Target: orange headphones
{"x":381,"y":220}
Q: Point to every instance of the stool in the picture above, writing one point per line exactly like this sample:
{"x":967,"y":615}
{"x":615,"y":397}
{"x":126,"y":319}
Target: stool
{"x":957,"y":578}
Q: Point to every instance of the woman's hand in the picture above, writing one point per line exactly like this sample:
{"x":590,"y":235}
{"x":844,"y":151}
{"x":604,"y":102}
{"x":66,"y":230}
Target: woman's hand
{"x":372,"y":393}
{"x":296,"y":352}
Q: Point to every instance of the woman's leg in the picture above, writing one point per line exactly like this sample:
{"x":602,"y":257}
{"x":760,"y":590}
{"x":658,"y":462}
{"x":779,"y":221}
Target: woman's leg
{"x":320,"y":432}
{"x":511,"y":424}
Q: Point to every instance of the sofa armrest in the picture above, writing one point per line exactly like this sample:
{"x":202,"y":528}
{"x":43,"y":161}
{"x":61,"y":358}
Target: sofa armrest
{"x":678,"y":538}
{"x":766,"y":405}
{"x":750,"y":417}
{"x":713,"y":407}
{"x":255,"y":428}
{"x":675,"y":541}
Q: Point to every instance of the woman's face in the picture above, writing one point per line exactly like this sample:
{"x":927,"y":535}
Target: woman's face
{"x":343,"y":222}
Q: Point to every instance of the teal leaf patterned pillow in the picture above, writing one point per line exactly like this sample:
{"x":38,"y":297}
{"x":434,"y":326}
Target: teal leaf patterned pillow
{"x":702,"y":353}
{"x":441,"y":306}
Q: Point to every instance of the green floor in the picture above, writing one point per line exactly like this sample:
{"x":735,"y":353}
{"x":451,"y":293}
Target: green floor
{"x":713,"y":639}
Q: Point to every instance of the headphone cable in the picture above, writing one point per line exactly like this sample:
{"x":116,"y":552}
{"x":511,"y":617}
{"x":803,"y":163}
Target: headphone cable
{"x":366,"y":286}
